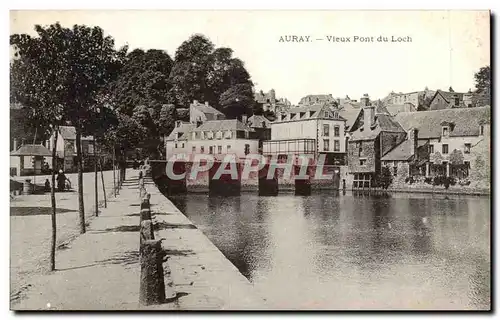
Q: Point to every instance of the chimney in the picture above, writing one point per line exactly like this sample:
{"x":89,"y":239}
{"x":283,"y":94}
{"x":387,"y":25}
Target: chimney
{"x":365,"y":100}
{"x":413,"y":137}
{"x":14,"y":144}
{"x":206,"y":103}
{"x":368,"y":117}
{"x":244,"y":119}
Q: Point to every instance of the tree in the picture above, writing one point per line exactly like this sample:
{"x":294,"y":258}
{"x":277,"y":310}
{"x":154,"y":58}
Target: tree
{"x":203,"y":73}
{"x":188,"y":75}
{"x":456,"y":157}
{"x":385,"y":178}
{"x":237,"y":101}
{"x":78,"y":64}
{"x":41,"y":109}
{"x":143,"y":80}
{"x":483,"y":79}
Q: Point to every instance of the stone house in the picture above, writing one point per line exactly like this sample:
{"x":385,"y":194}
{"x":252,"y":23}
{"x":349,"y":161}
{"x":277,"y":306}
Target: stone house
{"x":314,"y":99}
{"x":66,"y":149}
{"x":452,"y":137}
{"x":415,"y":98}
{"x":372,"y":136}
{"x":316,"y":129}
{"x":447,"y":100}
{"x":209,"y":132}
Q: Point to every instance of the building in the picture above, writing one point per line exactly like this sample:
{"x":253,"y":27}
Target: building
{"x":477,"y":98}
{"x":66,"y":149}
{"x":447,"y":100}
{"x":201,"y":112}
{"x":209,"y":132}
{"x":373,"y":135}
{"x":417,"y":98}
{"x":314,"y":99}
{"x":30,"y":159}
{"x":453,"y":136}
{"x":261,"y":125}
{"x":313,"y":129}
{"x":270,"y":102}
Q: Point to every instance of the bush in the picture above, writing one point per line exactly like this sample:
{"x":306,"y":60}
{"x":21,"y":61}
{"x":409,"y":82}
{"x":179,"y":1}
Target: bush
{"x":410,"y":180}
{"x":428,"y":180}
{"x":444,"y":181}
{"x":385,"y":178}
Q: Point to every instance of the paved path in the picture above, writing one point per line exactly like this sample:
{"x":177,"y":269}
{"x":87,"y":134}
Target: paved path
{"x":30,"y":227}
{"x":100,"y":269}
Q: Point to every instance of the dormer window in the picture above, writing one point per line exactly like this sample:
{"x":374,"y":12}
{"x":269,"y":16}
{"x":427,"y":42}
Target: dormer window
{"x":446,"y":131}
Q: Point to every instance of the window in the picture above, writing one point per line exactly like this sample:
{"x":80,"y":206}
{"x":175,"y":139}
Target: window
{"x":219,"y":135}
{"x":336,"y":131}
{"x":467,"y":148}
{"x":362,"y":162}
{"x":263,"y":124}
{"x":194,"y":149}
{"x":326,"y":145}
{"x":336,"y":145}
{"x":247,"y":149}
{"x":395,"y":169}
{"x":431,"y":148}
{"x":182,"y":145}
{"x":175,"y":145}
{"x":202,"y":135}
{"x":481,"y":130}
{"x":360,"y":148}
{"x":202,"y":149}
{"x":219,"y":149}
{"x":228,"y":148}
{"x":326,"y":130}
{"x":91,"y":148}
{"x":445,"y":149}
{"x":445,"y":131}
{"x":211,"y":150}
{"x":210,"y":135}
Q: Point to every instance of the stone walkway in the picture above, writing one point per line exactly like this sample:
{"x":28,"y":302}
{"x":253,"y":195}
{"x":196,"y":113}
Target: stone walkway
{"x":100,"y":269}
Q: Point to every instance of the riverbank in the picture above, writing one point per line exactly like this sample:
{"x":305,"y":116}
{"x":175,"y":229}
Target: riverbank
{"x":100,"y":269}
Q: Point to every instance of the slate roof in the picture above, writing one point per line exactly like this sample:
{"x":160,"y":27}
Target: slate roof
{"x":183,"y":129}
{"x":466,"y":121}
{"x":315,"y":108}
{"x":350,"y":115}
{"x":69,"y":133}
{"x":226,"y":124}
{"x":383,"y":123}
{"x":256,"y":121}
{"x":32,"y":150}
{"x":206,"y":108}
{"x":401,"y":152}
{"x":394,"y":109}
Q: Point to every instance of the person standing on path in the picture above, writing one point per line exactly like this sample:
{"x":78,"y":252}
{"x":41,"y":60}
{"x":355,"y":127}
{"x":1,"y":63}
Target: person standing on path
{"x":61,"y":181}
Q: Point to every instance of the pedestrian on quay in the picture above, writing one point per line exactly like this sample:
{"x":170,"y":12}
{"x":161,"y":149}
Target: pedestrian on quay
{"x":61,"y":181}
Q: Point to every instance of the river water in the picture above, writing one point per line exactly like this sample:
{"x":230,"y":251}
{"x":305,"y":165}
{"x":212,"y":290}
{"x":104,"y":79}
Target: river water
{"x":354,"y":251}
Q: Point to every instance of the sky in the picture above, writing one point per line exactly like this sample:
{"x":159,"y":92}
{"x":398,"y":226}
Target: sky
{"x":446,"y":48}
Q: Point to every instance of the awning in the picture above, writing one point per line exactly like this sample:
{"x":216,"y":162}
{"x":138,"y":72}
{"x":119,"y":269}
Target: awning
{"x":32,"y":150}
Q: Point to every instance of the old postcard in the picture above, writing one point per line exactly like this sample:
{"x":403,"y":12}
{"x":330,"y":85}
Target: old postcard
{"x":250,"y":160}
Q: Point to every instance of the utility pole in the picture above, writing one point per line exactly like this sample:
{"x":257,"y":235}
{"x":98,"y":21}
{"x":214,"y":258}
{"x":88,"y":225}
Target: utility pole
{"x":96,"y":194}
{"x":114,"y":176}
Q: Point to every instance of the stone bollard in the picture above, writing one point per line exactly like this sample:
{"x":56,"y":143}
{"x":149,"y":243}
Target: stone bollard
{"x":152,"y":284}
{"x":146,"y":231}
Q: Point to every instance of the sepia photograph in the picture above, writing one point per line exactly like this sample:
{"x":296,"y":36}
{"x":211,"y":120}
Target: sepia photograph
{"x":251,"y":160}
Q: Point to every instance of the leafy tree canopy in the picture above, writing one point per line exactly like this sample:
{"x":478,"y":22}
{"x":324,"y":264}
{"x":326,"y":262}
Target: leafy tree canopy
{"x":483,"y":79}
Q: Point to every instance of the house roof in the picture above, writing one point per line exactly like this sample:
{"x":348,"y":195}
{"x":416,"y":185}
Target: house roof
{"x":185,"y":127}
{"x":401,"y":152}
{"x":32,"y":150}
{"x":466,"y":120}
{"x":394,"y":109}
{"x":383,"y":123}
{"x":69,"y":133}
{"x":257,"y":120}
{"x":350,"y":115}
{"x":316,"y":112}
{"x":205,"y":108}
{"x":226,"y":124}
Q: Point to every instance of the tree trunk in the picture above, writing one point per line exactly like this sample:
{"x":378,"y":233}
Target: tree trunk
{"x":114,"y":174}
{"x":81,"y":209}
{"x":53,"y":203}
{"x":103,"y":187}
{"x":95,"y":181}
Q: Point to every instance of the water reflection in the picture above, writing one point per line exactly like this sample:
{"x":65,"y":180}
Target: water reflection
{"x":354,"y":250}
